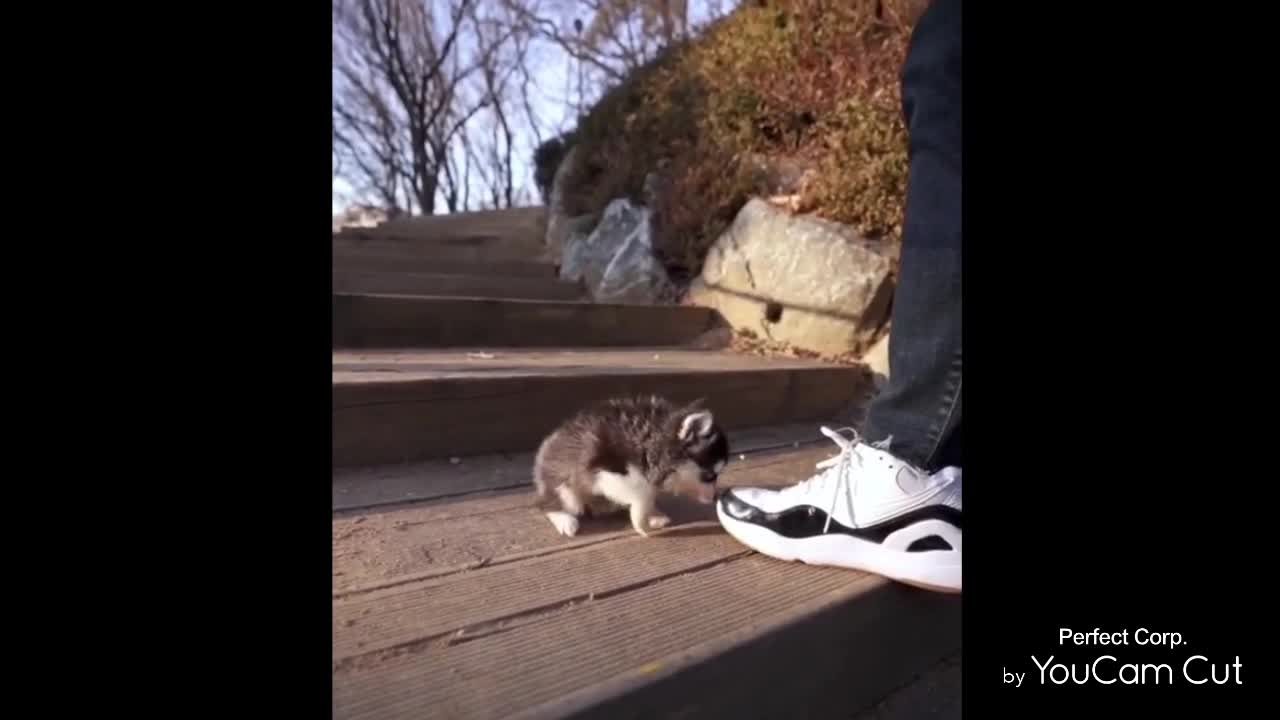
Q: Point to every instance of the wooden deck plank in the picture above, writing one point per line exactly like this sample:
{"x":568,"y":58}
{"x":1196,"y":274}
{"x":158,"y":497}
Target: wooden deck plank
{"x":385,"y":548}
{"x":454,"y":605}
{"x":500,"y":674}
{"x":577,"y":657}
{"x":816,"y":654}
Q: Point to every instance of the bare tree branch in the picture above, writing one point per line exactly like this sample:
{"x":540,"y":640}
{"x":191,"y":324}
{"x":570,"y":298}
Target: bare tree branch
{"x":437,"y":101}
{"x":401,"y":70}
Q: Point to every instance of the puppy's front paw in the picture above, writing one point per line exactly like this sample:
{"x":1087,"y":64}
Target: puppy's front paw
{"x":564,"y":523}
{"x":657,"y":522}
{"x":642,"y":516}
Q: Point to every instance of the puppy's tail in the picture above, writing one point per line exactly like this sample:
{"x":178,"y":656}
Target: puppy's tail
{"x":544,"y":498}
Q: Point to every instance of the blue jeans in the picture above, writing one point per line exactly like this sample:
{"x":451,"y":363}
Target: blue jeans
{"x":920,"y":405}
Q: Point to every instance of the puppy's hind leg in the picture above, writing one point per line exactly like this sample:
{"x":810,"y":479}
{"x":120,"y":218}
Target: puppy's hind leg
{"x":564,"y":510}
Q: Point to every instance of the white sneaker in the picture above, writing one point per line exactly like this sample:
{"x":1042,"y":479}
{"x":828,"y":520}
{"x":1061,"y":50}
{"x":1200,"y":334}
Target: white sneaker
{"x":866,"y":510}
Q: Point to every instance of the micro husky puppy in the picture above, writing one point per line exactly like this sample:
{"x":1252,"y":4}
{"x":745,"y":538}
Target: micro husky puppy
{"x":623,"y":452}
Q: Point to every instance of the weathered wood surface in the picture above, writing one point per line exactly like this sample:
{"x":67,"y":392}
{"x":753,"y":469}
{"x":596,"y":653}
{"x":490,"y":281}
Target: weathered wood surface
{"x":474,"y":607}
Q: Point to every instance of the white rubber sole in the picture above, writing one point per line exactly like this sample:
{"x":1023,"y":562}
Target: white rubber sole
{"x":937,"y":570}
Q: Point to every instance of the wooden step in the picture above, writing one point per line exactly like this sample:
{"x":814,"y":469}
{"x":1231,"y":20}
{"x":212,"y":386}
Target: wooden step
{"x":401,"y":406}
{"x":526,"y":224}
{"x":386,"y":321}
{"x":477,"y":249}
{"x":444,"y":285}
{"x":474,"y":607}
{"x":348,"y":262}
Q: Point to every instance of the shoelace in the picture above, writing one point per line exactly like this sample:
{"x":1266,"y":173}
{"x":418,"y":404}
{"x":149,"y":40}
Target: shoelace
{"x":840,"y":466}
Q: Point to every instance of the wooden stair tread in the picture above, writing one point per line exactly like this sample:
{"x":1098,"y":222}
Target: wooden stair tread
{"x":384,"y":282}
{"x":405,"y":406}
{"x":356,"y":262}
{"x":388,"y":321}
{"x":406,"y":365}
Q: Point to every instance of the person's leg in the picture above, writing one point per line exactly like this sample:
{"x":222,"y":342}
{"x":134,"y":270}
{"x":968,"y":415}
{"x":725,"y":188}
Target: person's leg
{"x":896,"y":509}
{"x":920,"y":406}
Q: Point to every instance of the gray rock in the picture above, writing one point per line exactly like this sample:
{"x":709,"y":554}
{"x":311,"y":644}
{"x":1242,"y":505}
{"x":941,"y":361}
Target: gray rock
{"x":811,"y":283}
{"x":634,"y":275}
{"x":615,"y":261}
{"x":586,"y":256}
{"x":781,"y":175}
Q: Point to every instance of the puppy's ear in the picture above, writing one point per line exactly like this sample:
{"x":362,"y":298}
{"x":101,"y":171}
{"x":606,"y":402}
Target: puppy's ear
{"x":695,"y":424}
{"x":691,"y":406}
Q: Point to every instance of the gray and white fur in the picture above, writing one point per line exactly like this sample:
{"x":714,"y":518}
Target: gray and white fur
{"x":621,"y":454}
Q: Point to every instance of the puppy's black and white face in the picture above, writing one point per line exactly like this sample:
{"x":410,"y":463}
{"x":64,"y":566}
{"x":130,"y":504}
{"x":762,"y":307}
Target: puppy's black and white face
{"x":705,"y":449}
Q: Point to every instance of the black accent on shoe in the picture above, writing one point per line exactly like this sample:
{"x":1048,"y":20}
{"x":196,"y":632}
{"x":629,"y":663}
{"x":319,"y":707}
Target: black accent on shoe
{"x":932,"y":542}
{"x":802,"y":521}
